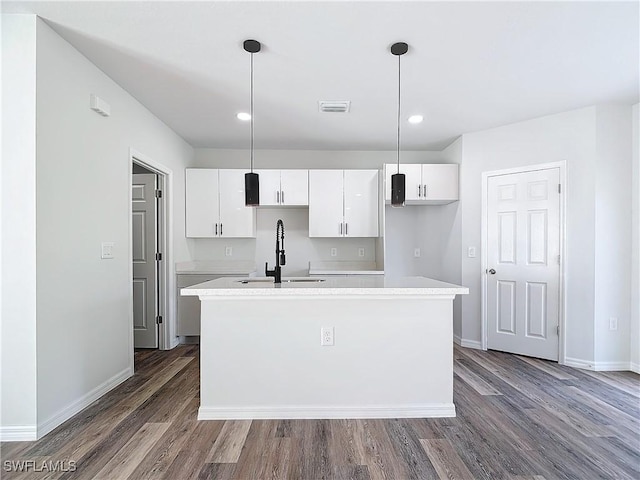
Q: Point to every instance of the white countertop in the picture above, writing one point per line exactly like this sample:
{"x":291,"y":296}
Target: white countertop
{"x":344,"y":268}
{"x":358,"y":285}
{"x":216,"y":267}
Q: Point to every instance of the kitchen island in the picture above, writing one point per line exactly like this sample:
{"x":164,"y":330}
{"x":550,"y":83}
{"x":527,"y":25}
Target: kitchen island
{"x":263,"y":351}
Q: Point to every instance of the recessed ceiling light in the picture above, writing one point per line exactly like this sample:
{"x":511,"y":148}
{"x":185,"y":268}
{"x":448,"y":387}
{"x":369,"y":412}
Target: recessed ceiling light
{"x":245,"y":117}
{"x":416,"y":118}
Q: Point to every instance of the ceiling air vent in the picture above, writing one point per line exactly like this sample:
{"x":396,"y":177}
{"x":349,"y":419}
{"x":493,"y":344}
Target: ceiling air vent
{"x":334,"y":107}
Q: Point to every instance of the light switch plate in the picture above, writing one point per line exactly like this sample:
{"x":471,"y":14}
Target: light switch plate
{"x":416,"y":252}
{"x":471,"y":252}
{"x":107,"y":250}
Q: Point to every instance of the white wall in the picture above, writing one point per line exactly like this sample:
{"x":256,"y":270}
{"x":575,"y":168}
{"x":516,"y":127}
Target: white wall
{"x":450,"y":225}
{"x":83,"y":188}
{"x":569,"y":137}
{"x":18,"y":308}
{"x":300,"y":248}
{"x":634,"y":328}
{"x":612,"y":235}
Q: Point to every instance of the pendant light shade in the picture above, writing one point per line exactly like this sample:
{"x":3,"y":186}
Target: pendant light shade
{"x":398,"y":180}
{"x":251,"y":180}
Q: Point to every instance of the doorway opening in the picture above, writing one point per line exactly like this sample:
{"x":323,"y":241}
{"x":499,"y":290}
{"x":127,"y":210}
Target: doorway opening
{"x":523,"y":225}
{"x":150,"y":253}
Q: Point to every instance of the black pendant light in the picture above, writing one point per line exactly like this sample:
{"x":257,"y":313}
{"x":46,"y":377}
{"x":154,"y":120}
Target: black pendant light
{"x":398,"y":180}
{"x":251,"y":180}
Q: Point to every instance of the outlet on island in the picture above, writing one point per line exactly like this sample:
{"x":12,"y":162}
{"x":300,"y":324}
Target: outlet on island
{"x":228,"y":251}
{"x":334,"y":252}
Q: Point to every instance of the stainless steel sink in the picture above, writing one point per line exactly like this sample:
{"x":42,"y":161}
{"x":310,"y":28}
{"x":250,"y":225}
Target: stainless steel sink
{"x":286,"y":280}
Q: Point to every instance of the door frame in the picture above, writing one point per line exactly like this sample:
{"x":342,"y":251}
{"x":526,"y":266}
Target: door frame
{"x":561,"y":165}
{"x":165,"y":244}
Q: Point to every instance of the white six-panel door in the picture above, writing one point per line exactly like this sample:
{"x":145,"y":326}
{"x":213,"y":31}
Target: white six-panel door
{"x":523,"y":263}
{"x":145,"y":289}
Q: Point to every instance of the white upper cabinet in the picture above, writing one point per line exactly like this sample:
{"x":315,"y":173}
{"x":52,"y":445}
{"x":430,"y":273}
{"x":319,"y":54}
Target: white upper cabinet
{"x":284,"y":187}
{"x":427,"y":184}
{"x":343,"y":203}
{"x":215,"y":204}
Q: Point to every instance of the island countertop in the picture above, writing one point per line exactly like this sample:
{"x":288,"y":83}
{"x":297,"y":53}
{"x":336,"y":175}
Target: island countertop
{"x":302,"y":286}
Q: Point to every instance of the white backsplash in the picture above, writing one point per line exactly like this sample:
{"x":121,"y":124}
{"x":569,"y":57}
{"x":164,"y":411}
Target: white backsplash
{"x":300,"y":249}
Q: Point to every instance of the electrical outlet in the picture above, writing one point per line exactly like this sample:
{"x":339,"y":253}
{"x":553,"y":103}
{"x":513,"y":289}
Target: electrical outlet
{"x":613,"y":323}
{"x":228,"y":251}
{"x":361,"y":252}
{"x":416,"y":252}
{"x":471,"y":252}
{"x":334,"y":252}
{"x":326,"y":336}
{"x":107,"y":250}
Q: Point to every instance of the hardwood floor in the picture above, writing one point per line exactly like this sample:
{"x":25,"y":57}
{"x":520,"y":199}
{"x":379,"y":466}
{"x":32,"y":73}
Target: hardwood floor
{"x":518,"y":418}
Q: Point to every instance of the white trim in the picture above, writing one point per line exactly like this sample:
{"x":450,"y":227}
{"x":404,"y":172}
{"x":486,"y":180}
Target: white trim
{"x":561,"y":166}
{"x":21,"y":433}
{"x":634,"y":367}
{"x":475,"y":344}
{"x":457,"y":340}
{"x":166,"y":341}
{"x":612,"y":366}
{"x":578,"y":363}
{"x":318,"y":412}
{"x":81,"y":403}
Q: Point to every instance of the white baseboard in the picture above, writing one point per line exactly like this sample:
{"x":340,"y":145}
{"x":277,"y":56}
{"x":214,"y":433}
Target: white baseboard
{"x":283,"y":412}
{"x":457,"y":340}
{"x":81,"y":403}
{"x":471,"y":344}
{"x":602,"y":366}
{"x":22,"y":433}
{"x":612,"y":366}
{"x":578,"y":363}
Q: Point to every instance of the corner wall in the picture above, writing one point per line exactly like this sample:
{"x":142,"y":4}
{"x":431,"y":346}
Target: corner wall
{"x":612,"y":237}
{"x":84,"y":324}
{"x":634,"y":328}
{"x":18,"y":250}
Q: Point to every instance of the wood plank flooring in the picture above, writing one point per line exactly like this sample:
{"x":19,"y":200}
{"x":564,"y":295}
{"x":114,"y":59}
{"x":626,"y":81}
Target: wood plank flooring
{"x":518,"y":418}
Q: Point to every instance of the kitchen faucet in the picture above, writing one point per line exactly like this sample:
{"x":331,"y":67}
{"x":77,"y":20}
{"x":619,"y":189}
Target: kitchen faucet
{"x":276,"y":273}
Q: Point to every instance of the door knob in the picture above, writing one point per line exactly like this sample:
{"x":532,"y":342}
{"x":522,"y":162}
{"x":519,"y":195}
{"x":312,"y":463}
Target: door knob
{"x":492,"y":271}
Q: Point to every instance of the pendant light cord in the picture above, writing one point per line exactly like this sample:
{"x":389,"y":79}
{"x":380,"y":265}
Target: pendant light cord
{"x":399,"y":113}
{"x":251,"y":109}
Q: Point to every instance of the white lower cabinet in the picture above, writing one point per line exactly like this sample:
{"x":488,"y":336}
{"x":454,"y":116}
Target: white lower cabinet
{"x":215,"y":204}
{"x":425,"y":184}
{"x":343,"y":203}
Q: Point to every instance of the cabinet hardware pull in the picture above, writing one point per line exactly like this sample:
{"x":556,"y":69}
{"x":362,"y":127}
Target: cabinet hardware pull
{"x":282,"y":196}
{"x":425,"y":191}
{"x":419,"y":191}
{"x":277,"y":196}
{"x":340,"y":228}
{"x":346,"y":229}
{"x":221,"y":229}
{"x":216,"y":229}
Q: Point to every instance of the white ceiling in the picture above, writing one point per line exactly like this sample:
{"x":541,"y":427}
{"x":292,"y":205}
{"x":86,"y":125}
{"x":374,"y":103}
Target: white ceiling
{"x":470,"y":66}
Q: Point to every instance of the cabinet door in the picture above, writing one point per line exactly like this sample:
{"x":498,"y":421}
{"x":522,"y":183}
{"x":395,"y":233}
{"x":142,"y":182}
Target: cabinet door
{"x":440,"y":182}
{"x":413,"y":180}
{"x":294,"y":187}
{"x":269,"y":187}
{"x":236,"y":220}
{"x":202,"y":208}
{"x":325,"y":203}
{"x":361,"y":203}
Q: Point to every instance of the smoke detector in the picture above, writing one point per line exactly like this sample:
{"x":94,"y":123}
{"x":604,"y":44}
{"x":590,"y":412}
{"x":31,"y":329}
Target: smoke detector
{"x":341,"y":106}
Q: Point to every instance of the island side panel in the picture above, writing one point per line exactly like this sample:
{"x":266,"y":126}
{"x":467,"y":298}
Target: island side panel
{"x":261,"y":357}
